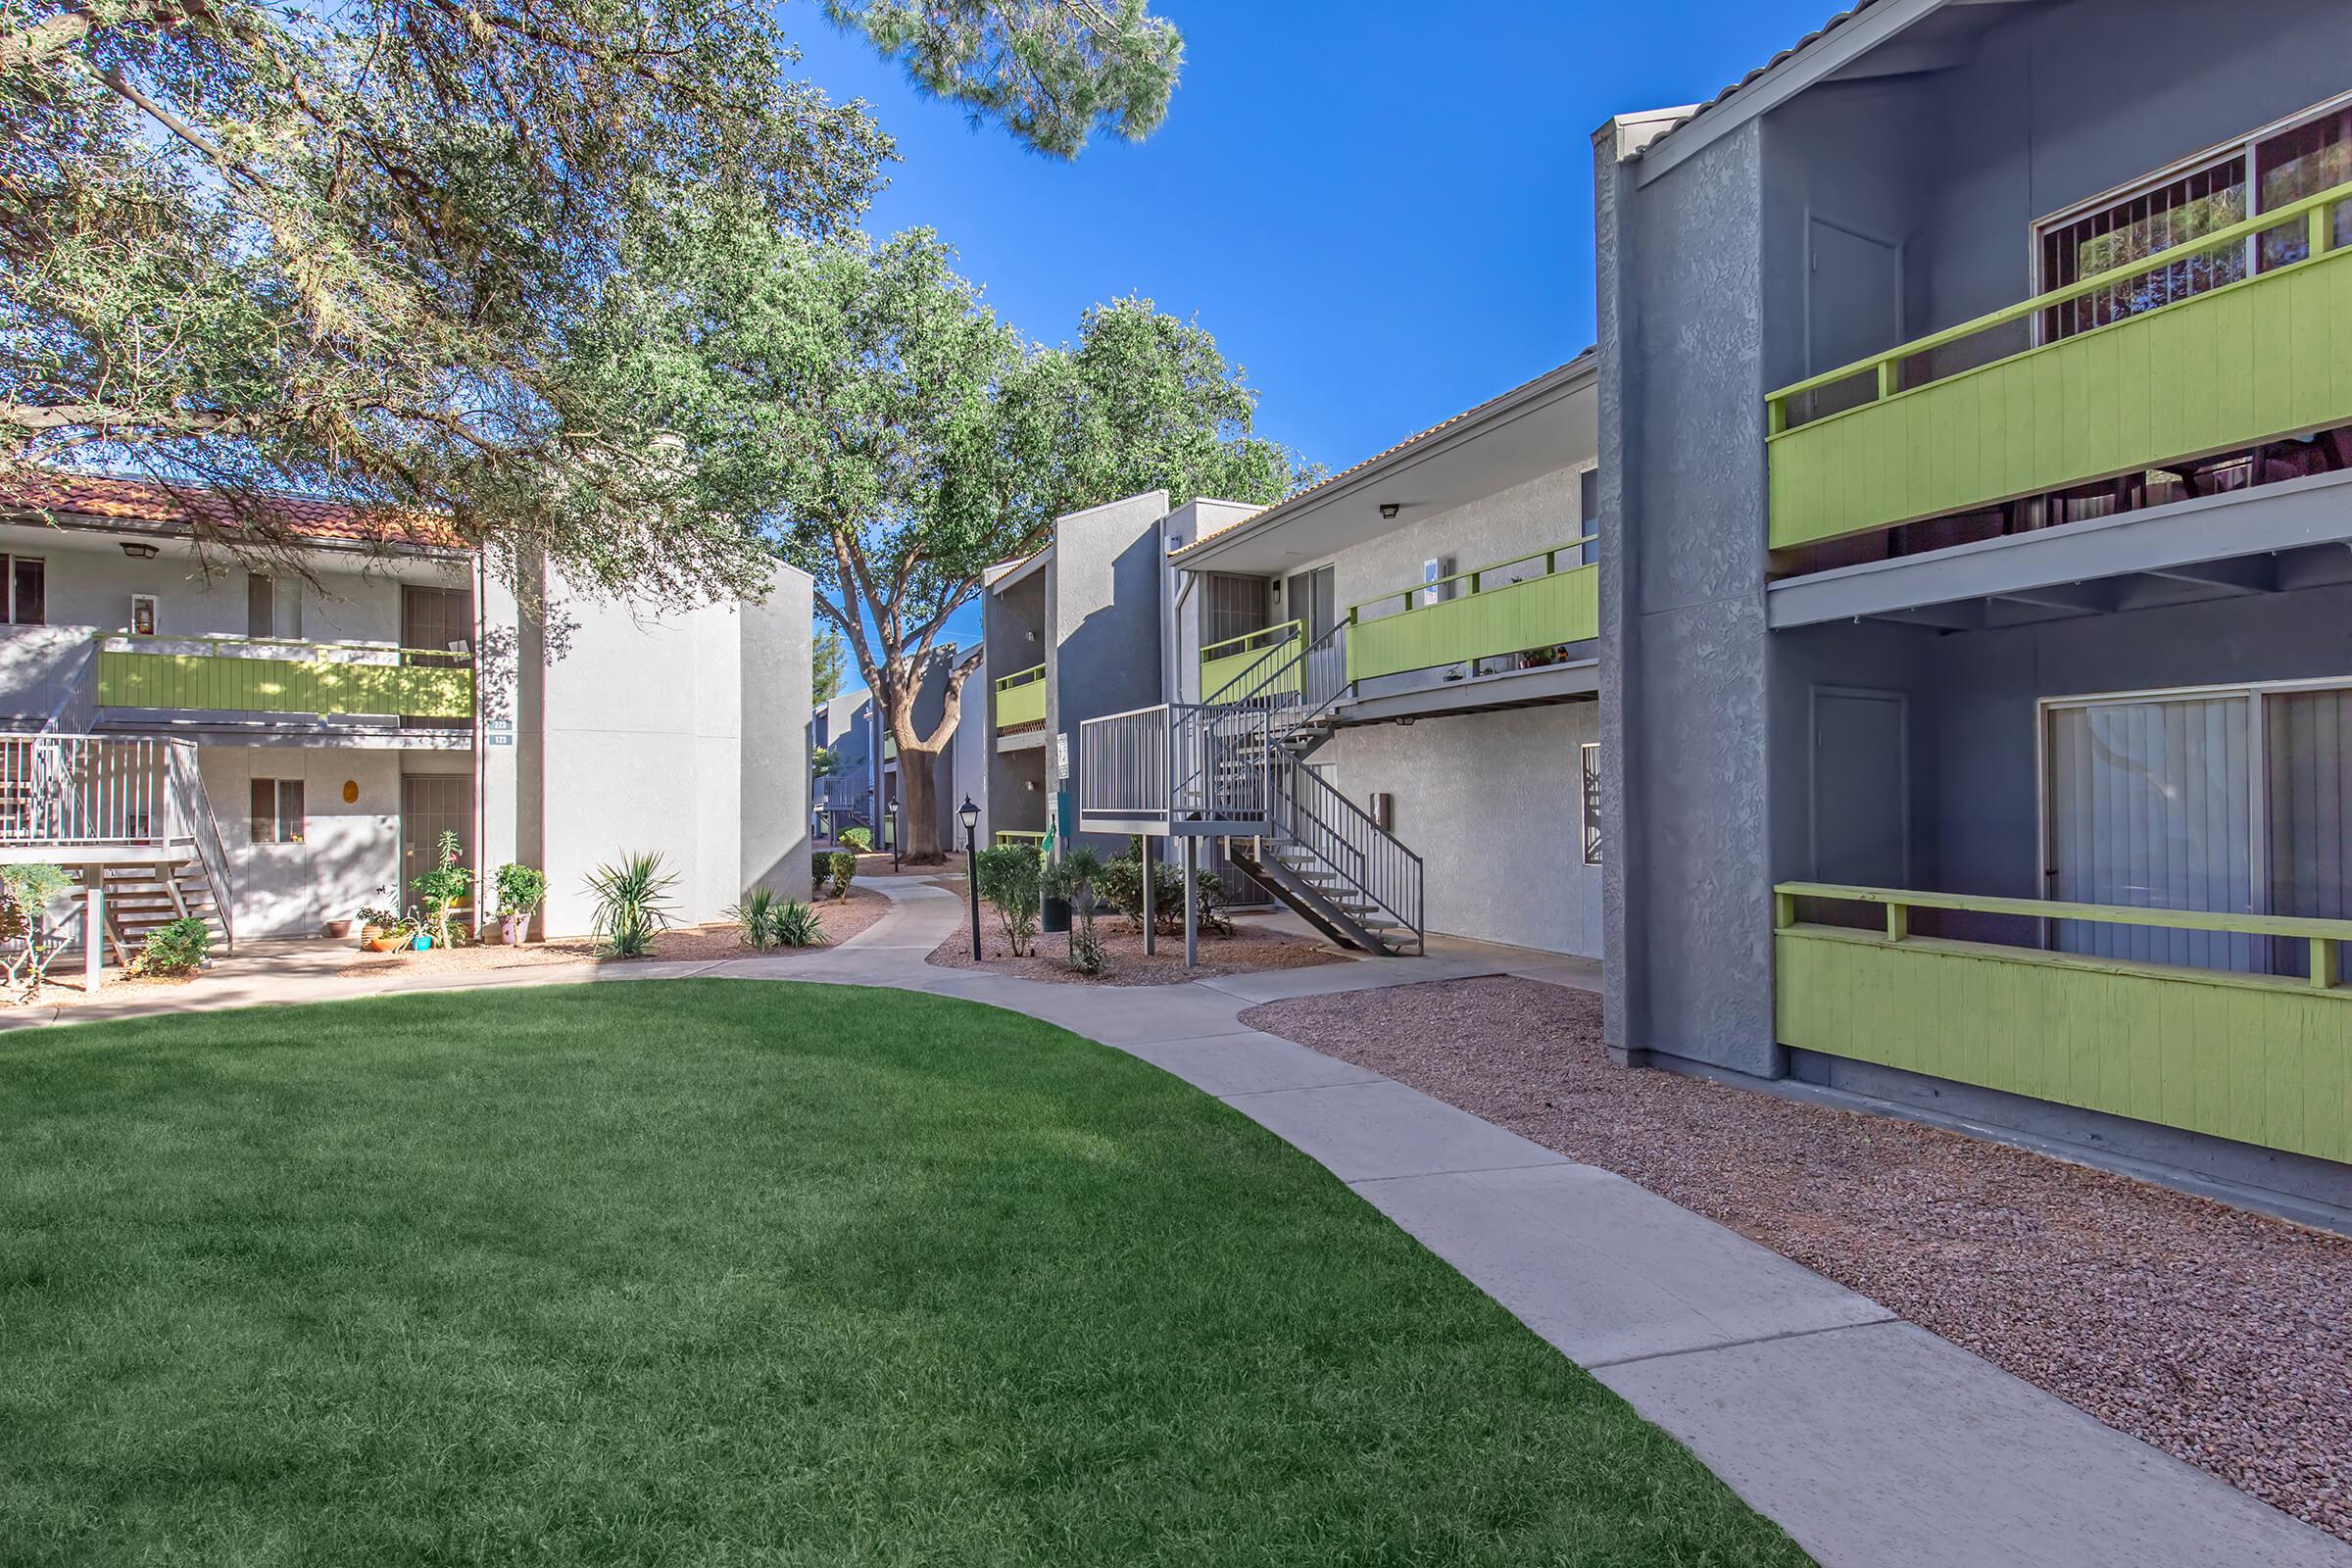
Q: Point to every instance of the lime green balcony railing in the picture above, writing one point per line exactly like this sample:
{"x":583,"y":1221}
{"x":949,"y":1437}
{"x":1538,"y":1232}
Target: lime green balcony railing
{"x":283,"y":677}
{"x":2263,"y":1060}
{"x":1223,"y":664}
{"x":1022,"y":698}
{"x":1008,"y":837}
{"x":2253,"y":360}
{"x":1510,"y":608}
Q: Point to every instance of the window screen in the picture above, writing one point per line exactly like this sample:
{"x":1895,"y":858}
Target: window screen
{"x":1590,"y":753}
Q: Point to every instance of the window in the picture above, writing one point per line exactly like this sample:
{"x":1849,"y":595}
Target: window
{"x":272,"y":607}
{"x":1589,"y":752}
{"x":1231,"y":606}
{"x":2300,"y":157}
{"x":277,"y":811}
{"x":28,"y":591}
{"x":1587,"y":503}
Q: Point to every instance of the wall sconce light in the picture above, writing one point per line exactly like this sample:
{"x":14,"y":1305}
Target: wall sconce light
{"x":138,"y":551}
{"x":1389,"y":510}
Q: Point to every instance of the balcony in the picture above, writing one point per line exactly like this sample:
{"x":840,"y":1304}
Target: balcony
{"x":1534,"y":603}
{"x":2259,"y":1059}
{"x":328,"y":679}
{"x":2225,"y":369}
{"x":1225,"y":662}
{"x":1021,"y":699}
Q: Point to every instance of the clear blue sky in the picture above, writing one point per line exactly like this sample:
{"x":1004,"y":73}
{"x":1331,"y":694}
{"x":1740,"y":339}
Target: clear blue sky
{"x":1381,"y":210}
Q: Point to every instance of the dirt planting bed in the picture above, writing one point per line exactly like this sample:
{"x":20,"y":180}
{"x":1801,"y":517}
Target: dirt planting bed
{"x":1249,"y":950}
{"x":844,"y":918}
{"x":2216,"y":1335}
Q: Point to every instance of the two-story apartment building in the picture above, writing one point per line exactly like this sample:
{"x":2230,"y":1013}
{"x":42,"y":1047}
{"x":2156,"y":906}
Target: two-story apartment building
{"x":862,"y":788}
{"x":272,"y":746}
{"x":1976,"y":575}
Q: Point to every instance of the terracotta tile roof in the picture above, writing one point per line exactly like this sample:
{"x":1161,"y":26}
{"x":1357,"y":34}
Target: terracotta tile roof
{"x":107,"y":496}
{"x":1769,"y":66}
{"x":1377,"y":458}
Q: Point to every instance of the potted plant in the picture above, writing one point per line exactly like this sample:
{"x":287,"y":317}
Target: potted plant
{"x":443,"y":889}
{"x":376,"y":922}
{"x":520,"y":888}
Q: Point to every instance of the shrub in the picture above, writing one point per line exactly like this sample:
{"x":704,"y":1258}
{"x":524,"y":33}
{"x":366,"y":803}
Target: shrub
{"x":519,"y":888}
{"x":859,"y":838}
{"x":798,"y":926}
{"x":1073,"y":877}
{"x":442,"y":889}
{"x":25,"y":893}
{"x":1121,"y":886}
{"x":176,"y":948}
{"x":632,"y":903}
{"x":1008,"y":879}
{"x":843,"y":863}
{"x":756,"y":915}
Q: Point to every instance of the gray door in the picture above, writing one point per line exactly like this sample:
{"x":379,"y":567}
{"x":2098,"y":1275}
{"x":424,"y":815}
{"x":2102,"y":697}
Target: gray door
{"x":1853,"y":308}
{"x":1312,"y":596}
{"x":430,"y":805}
{"x":1861,"y":788}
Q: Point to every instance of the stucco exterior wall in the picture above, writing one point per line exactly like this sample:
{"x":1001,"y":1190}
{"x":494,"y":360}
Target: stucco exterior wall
{"x":351,"y":849}
{"x":1493,"y":805}
{"x":1102,"y":623}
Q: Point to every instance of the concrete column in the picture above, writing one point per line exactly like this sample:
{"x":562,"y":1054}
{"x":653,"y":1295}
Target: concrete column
{"x":1150,"y":923}
{"x":1192,"y":901}
{"x":93,"y":932}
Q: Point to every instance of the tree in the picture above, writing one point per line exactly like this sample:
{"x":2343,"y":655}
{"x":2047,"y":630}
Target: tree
{"x":896,"y":438}
{"x":825,"y":662}
{"x":342,"y":251}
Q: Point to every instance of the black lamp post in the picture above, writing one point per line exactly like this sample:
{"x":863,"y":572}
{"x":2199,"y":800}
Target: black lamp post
{"x":898,"y":835}
{"x":969,"y":814}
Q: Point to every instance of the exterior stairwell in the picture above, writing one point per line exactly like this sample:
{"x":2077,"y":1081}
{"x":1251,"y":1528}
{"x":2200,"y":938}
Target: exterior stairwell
{"x":1235,"y":768}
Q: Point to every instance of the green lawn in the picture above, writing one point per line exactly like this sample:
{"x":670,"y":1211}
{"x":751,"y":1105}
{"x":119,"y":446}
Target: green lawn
{"x":732,"y":1273}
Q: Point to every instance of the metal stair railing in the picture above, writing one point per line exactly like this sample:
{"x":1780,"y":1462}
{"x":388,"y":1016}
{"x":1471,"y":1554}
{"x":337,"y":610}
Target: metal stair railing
{"x":1307,"y":811}
{"x":191,"y":805}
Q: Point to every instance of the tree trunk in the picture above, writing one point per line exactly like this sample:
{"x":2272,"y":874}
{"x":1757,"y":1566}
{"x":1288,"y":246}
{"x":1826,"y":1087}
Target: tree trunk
{"x":918,"y":807}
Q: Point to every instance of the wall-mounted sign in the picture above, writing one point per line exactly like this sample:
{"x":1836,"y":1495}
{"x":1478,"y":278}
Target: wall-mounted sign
{"x":142,"y":614}
{"x":497,"y":723}
{"x":502,"y":739}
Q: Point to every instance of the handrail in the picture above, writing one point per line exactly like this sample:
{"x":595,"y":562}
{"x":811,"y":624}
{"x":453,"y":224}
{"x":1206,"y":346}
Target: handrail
{"x":195,"y":804}
{"x":1022,"y":677}
{"x":1548,"y":555}
{"x":2316,"y":210}
{"x":2323,"y":934}
{"x":1387,"y":871}
{"x":1279,"y":633}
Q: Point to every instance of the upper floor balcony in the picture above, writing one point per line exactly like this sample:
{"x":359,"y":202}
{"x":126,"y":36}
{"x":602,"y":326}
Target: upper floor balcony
{"x":1020,"y":700}
{"x":275,"y":677}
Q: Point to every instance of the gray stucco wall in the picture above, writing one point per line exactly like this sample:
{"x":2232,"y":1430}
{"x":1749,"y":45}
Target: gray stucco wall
{"x":1493,"y":805}
{"x":1685,"y":732}
{"x":774,"y":761}
{"x":1102,"y":621}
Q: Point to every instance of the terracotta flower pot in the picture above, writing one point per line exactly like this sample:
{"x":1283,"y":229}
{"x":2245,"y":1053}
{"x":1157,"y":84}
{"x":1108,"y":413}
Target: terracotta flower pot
{"x":338,"y":928}
{"x":382,"y":941}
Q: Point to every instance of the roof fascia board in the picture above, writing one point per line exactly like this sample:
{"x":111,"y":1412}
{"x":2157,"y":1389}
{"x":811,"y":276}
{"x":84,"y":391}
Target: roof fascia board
{"x":149,"y":528}
{"x":1831,"y":53}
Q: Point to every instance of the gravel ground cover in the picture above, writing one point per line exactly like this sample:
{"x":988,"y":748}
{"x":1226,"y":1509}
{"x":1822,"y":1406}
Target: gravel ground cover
{"x":1251,"y":950}
{"x":844,"y":918}
{"x":2217,"y":1335}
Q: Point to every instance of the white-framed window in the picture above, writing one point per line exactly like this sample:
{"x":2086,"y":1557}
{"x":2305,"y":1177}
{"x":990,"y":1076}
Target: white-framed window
{"x":277,"y":811}
{"x":2290,"y":159}
{"x":1589,"y":754}
{"x":272,"y":607}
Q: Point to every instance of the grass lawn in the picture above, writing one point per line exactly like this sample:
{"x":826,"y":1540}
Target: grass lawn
{"x":728,"y":1273}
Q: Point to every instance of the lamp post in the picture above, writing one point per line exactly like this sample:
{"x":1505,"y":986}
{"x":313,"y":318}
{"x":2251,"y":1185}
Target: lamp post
{"x":969,"y":815}
{"x":898,"y":835}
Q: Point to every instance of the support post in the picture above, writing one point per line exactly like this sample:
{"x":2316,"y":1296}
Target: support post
{"x":1898,"y":922}
{"x":1151,"y":918}
{"x":2326,"y":963}
{"x":93,"y":930}
{"x":1192,"y":901}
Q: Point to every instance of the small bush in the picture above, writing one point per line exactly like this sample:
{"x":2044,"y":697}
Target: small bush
{"x":442,"y":889}
{"x":632,"y":903}
{"x":519,"y":888}
{"x":844,"y":865}
{"x":859,"y":838}
{"x":756,"y":915}
{"x":1073,"y":877}
{"x":1121,"y":886}
{"x":178,"y":947}
{"x":1008,"y":879}
{"x":798,"y":926}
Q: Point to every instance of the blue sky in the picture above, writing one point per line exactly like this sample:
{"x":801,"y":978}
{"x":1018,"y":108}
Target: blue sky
{"x":1383,"y":211}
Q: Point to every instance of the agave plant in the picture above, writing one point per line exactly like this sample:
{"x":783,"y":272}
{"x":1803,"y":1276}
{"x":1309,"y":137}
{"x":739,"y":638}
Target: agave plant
{"x":632,"y":903}
{"x":798,"y":926}
{"x":757,"y":916}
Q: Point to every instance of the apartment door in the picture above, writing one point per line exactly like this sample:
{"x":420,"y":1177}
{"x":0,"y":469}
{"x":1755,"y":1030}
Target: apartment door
{"x":1853,"y":306}
{"x":1861,"y":788}
{"x":1312,"y":596}
{"x":431,"y":805}
{"x":436,"y":628}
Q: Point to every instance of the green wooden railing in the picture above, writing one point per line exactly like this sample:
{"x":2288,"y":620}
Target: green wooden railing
{"x":1007,"y":837}
{"x":1496,"y":612}
{"x":246,"y":677}
{"x":1022,"y":698}
{"x":2263,"y":1060}
{"x":1223,"y":664}
{"x":2254,"y":360}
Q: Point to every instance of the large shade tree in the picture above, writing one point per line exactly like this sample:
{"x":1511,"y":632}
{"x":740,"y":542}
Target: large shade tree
{"x":892,"y":437}
{"x":345,"y":249}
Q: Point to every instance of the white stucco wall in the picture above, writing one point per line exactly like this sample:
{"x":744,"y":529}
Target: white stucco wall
{"x":1493,"y":803}
{"x":351,"y":848}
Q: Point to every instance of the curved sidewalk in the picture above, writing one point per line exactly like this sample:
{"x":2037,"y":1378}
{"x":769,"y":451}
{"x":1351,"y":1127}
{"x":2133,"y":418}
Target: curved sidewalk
{"x":1870,"y":1440}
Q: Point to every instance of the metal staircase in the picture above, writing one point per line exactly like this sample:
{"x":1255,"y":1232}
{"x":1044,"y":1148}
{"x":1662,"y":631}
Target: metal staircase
{"x":1235,"y":767}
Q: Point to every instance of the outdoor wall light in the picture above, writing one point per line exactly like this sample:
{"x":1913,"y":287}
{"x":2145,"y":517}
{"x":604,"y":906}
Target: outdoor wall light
{"x":1390,"y":508}
{"x":138,"y":551}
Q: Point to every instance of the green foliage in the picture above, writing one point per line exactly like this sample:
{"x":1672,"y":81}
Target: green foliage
{"x":632,"y":903}
{"x":858,"y":839}
{"x":29,"y":889}
{"x":1074,"y":877}
{"x":756,"y":915}
{"x":520,"y":888}
{"x":844,"y":866}
{"x":1009,"y":880}
{"x":178,"y":947}
{"x":825,"y":762}
{"x":27,"y":949}
{"x":442,"y":889}
{"x":1054,"y":72}
{"x":828,"y":659}
{"x":1121,"y":886}
{"x":798,"y":926}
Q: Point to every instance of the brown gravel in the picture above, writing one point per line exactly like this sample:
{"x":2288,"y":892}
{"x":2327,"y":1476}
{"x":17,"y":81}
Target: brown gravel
{"x":2216,"y":1335}
{"x":1251,"y":950}
{"x":844,"y":918}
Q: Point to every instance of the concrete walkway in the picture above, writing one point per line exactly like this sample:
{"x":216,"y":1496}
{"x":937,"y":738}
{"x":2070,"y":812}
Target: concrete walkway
{"x":1872,"y":1441}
